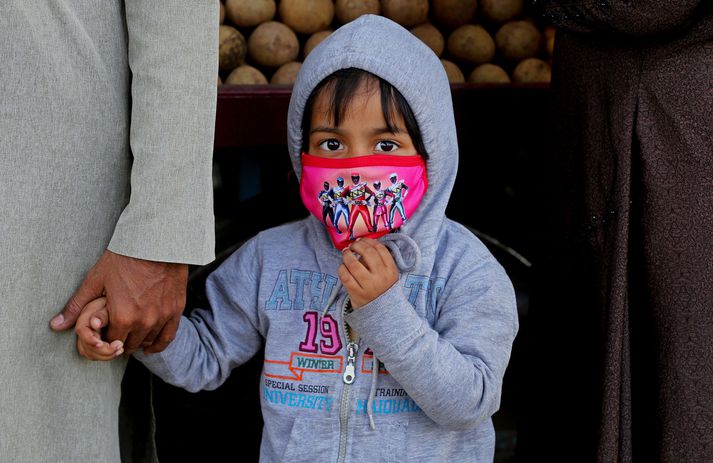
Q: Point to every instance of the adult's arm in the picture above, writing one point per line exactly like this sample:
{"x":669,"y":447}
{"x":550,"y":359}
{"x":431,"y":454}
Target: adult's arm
{"x":640,"y":18}
{"x":168,"y":222}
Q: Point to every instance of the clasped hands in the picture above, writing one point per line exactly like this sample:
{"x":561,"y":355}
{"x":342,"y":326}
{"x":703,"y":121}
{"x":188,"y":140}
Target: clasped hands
{"x":125,"y":304}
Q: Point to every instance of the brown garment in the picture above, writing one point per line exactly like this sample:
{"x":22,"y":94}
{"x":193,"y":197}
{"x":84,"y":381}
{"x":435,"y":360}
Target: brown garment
{"x":629,"y":319}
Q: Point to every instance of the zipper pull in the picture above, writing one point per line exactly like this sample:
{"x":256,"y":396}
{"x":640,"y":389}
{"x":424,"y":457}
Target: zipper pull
{"x":349,"y":370}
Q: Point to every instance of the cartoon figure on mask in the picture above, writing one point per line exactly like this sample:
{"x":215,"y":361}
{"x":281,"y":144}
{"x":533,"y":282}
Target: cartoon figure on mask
{"x":398,"y":190}
{"x":380,"y":199}
{"x":357,"y":198}
{"x":340,"y":204}
{"x":325,"y":197}
{"x":366,"y":196}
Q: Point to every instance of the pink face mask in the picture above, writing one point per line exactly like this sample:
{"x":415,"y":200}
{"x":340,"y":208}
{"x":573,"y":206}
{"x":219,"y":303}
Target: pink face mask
{"x":365,"y":196}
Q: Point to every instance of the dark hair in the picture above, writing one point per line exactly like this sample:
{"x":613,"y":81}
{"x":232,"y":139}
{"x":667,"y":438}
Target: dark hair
{"x":344,"y":84}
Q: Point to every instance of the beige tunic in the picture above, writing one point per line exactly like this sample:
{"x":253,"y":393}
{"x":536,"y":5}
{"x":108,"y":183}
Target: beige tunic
{"x":106,"y":130}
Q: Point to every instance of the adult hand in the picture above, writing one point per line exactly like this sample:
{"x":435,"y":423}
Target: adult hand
{"x":144,"y":300}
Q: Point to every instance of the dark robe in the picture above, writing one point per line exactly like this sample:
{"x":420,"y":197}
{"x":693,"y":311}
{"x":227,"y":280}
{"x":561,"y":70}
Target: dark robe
{"x":623,"y":317}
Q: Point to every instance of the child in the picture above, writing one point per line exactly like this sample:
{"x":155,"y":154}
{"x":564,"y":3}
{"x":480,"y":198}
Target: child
{"x":394,"y":348}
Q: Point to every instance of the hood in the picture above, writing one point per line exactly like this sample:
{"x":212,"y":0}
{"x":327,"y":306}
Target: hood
{"x":384,"y":48}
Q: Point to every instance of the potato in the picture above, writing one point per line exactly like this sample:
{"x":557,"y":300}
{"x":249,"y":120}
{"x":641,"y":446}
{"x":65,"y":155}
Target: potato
{"x":489,"y":74}
{"x":307,"y":16}
{"x":472,"y":44}
{"x":454,"y":13}
{"x":532,"y":70}
{"x":249,"y":13}
{"x":455,"y":75}
{"x":500,"y":11}
{"x":222,"y":13}
{"x":286,"y":74}
{"x":430,"y":36}
{"x":273,"y":44}
{"x":518,"y":40}
{"x":405,"y":12}
{"x":220,"y":81}
{"x":349,"y":10}
{"x":231,"y":48}
{"x":314,"y":40}
{"x":246,"y":75}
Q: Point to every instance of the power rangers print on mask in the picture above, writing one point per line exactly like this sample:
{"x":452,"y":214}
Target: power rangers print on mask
{"x":364,"y":196}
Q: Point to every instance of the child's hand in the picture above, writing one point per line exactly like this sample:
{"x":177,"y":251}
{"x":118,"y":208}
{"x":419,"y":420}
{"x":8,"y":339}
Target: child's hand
{"x":369,"y":276}
{"x":91,"y":320}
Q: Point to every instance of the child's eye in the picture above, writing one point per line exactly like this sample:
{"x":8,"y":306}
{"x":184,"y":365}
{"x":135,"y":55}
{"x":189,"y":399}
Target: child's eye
{"x":386,"y":146}
{"x":331,"y":145}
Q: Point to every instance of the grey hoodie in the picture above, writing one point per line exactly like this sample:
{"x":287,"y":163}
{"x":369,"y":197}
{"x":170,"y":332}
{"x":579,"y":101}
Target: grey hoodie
{"x":442,"y":333}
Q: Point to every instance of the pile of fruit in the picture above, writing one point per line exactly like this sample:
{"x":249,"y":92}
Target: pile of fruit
{"x":478,"y":41}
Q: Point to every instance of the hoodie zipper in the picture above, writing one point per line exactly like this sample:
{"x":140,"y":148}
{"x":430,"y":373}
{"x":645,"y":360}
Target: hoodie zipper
{"x":348,"y":376}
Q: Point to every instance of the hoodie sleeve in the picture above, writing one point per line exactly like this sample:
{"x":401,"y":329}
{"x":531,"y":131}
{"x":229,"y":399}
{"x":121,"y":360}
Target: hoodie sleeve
{"x":454,"y":369}
{"x":211,"y":342}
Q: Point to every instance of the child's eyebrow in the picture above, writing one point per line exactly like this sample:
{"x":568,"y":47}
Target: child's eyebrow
{"x":382,"y":130}
{"x":326,"y":129}
{"x":376,"y":131}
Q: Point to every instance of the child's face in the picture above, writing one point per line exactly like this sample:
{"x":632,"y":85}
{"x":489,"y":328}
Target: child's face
{"x":363,"y":130}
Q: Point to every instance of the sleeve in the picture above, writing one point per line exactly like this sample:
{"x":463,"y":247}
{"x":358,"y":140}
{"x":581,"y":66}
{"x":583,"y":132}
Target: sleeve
{"x":210,"y":343}
{"x":173,"y":58}
{"x":640,"y":18}
{"x":453,"y":370}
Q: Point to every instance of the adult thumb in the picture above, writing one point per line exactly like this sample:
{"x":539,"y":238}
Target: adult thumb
{"x":90,"y":289}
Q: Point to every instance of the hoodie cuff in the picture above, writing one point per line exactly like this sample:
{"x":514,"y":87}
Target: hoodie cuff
{"x":388,"y":324}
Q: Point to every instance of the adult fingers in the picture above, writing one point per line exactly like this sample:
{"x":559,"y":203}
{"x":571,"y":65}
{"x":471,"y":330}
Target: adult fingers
{"x":90,"y":289}
{"x":165,"y":337}
{"x":151,"y":337}
{"x":135,"y":340}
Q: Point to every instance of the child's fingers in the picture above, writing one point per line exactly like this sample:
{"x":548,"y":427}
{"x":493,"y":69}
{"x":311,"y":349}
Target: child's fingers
{"x":356,"y":268}
{"x":388,"y":260}
{"x":88,"y":336}
{"x":368,"y":250}
{"x":348,"y":281}
{"x":91,"y":320}
{"x":103,"y":351}
{"x":98,"y":313}
{"x":92,"y":343}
